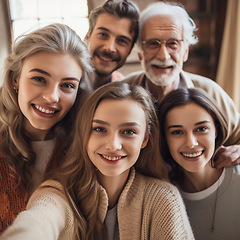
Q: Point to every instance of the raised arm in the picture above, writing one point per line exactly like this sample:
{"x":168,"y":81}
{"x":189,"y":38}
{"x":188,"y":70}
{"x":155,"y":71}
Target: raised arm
{"x":48,"y":216}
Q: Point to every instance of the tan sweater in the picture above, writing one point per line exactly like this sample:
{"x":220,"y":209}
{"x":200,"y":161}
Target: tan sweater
{"x":148,"y":208}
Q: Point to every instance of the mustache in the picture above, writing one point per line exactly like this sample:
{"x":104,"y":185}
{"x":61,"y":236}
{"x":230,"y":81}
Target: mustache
{"x":110,"y":55}
{"x":158,"y":62}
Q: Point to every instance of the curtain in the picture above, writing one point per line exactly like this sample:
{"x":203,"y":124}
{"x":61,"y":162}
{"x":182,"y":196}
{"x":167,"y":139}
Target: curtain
{"x":228,"y":73}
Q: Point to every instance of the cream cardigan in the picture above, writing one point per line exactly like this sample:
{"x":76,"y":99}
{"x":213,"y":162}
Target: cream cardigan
{"x":148,"y":208}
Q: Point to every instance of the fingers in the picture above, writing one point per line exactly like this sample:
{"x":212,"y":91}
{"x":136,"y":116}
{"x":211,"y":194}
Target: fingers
{"x":227,"y":156}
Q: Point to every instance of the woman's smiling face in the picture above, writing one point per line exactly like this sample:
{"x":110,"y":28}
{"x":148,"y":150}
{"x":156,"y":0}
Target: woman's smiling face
{"x":190,"y":133}
{"x":47,"y":89}
{"x":117,"y":137}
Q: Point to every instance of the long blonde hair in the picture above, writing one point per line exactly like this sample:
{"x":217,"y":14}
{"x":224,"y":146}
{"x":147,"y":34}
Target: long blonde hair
{"x":15,"y":145}
{"x":78,"y":174}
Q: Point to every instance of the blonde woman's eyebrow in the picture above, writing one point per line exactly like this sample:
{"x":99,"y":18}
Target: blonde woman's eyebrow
{"x":100,"y":122}
{"x":202,"y":122}
{"x":49,"y":75}
{"x":127,"y":124}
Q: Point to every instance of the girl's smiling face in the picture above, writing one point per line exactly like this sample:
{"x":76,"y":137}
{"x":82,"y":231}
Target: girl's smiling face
{"x":190,"y":133}
{"x":117,"y":137}
{"x":47,"y":89}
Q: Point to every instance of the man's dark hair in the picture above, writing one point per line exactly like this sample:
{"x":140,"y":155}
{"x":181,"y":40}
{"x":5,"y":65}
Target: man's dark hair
{"x":120,"y":9}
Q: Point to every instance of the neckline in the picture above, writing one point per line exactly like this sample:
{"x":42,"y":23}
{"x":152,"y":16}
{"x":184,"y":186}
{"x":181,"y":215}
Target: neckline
{"x":205,"y":193}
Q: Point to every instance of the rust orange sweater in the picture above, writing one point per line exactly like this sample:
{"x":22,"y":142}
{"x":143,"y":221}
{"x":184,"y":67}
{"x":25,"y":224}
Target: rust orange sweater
{"x":13,"y":196}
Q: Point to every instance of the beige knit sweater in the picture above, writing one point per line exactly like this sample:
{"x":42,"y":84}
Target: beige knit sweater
{"x":148,"y":208}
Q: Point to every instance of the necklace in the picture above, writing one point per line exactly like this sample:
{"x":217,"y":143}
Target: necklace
{"x":215,"y":208}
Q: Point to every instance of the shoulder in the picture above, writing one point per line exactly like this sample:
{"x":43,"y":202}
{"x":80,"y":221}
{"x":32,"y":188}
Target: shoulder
{"x":134,"y":78}
{"x":205,"y":83}
{"x":235,"y":169}
{"x":212,"y":88}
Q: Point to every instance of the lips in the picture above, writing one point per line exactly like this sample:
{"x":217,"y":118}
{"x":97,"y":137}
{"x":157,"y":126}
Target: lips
{"x":44,"y":110}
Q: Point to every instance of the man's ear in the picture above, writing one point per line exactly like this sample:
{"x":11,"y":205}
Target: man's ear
{"x":145,"y":141}
{"x":86,"y":38}
{"x":139,"y":56}
{"x":185,"y":55}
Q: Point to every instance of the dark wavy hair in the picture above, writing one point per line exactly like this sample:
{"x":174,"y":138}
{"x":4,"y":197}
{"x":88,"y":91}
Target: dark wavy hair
{"x":120,"y":9}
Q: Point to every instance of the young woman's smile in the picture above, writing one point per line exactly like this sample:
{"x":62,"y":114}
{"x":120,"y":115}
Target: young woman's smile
{"x":191,"y":133}
{"x":46,"y":92}
{"x":118,"y":134}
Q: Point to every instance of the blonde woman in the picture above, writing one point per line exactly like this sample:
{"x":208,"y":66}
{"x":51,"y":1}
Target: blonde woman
{"x":45,"y":83}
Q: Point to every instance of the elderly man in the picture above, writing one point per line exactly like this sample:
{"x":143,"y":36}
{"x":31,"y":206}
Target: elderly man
{"x":112,"y":33}
{"x":165,"y":33}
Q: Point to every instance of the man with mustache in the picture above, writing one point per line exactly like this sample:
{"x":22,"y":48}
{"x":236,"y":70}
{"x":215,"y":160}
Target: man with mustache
{"x":112,"y":33}
{"x":165,"y":33}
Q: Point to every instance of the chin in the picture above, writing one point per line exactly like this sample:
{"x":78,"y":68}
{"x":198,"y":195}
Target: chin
{"x":160,"y":81}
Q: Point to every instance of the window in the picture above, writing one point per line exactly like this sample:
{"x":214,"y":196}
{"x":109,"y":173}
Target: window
{"x":28,"y":15}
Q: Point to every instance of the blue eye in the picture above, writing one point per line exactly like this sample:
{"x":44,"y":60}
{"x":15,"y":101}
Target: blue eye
{"x":68,"y":85}
{"x":38,"y":79}
{"x":102,"y":35}
{"x":99,"y":129}
{"x":129,"y":132}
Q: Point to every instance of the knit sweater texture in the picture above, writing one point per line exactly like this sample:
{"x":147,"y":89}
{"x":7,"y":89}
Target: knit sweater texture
{"x":148,"y":208}
{"x":13,"y":194}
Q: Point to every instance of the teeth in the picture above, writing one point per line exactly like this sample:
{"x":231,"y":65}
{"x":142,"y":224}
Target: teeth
{"x":106,"y":59}
{"x":191,"y":155}
{"x":41,"y":109}
{"x":111,"y":158}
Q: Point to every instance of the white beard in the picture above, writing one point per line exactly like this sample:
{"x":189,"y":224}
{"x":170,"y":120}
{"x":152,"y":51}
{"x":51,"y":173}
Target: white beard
{"x":162,"y":79}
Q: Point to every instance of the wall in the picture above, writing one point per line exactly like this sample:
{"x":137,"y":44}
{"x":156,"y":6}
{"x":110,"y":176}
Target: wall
{"x":4,"y":40}
{"x":209,"y":16}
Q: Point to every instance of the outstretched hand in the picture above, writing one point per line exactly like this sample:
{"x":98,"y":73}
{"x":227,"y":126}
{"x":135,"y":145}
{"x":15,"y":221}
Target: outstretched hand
{"x":227,"y":156}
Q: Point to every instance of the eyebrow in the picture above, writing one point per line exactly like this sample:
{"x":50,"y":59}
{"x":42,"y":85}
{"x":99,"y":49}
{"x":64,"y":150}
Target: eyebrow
{"x":196,"y":124}
{"x":127,"y":124}
{"x":49,"y":75}
{"x":107,"y":30}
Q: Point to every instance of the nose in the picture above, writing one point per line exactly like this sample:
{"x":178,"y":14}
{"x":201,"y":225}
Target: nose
{"x":113,"y":142}
{"x":163,"y":53}
{"x":110,"y":45}
{"x":51,"y":94}
{"x":191,"y":141}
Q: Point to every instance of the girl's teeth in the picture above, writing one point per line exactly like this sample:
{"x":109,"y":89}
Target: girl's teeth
{"x":111,"y":158}
{"x":192,"y":155}
{"x":41,"y":109}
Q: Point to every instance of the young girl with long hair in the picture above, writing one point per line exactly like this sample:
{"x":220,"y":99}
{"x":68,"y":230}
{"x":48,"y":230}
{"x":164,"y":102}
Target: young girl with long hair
{"x":113,"y":184}
{"x":192,"y":130}
{"x":45,"y":83}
